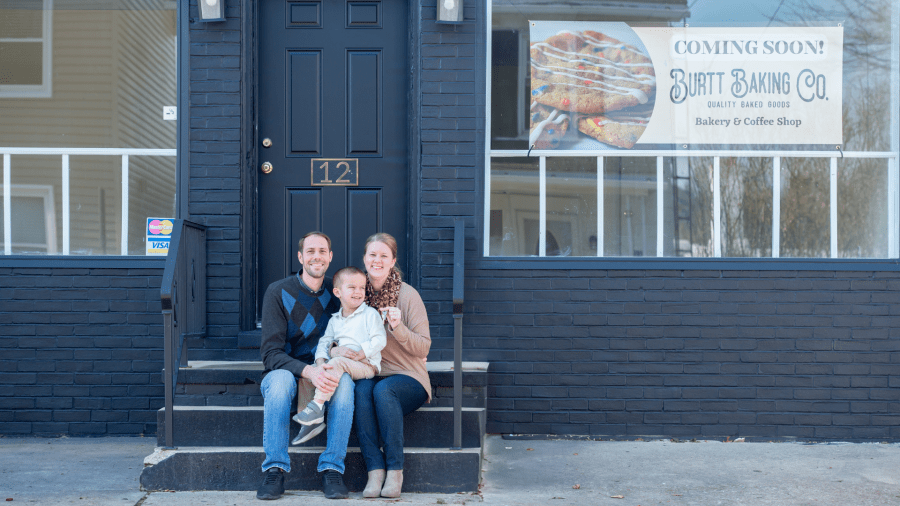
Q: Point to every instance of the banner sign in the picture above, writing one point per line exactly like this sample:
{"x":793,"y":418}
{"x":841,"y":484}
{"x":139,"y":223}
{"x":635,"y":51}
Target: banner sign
{"x":159,"y":234}
{"x":598,"y":85}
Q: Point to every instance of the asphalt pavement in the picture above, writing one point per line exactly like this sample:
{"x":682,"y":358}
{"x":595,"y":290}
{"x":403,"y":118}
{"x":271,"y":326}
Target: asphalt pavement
{"x":105,"y":471}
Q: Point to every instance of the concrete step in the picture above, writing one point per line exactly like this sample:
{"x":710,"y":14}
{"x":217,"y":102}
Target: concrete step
{"x":236,"y":383}
{"x":425,"y":470}
{"x":427,"y":427}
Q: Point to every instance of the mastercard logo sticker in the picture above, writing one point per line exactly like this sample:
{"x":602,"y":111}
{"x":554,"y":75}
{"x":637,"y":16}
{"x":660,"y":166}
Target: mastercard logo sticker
{"x":160,"y":227}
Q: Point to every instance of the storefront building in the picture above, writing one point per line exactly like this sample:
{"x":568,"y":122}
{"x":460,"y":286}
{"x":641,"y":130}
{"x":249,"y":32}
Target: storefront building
{"x":681,"y":217}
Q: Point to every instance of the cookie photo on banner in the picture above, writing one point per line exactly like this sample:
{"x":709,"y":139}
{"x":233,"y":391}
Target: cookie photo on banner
{"x":593,"y":86}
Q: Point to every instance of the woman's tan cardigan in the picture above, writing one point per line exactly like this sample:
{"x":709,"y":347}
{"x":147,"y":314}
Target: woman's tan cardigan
{"x":408,"y":344}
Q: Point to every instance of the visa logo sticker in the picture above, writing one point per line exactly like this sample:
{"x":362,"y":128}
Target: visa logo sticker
{"x":157,"y":246}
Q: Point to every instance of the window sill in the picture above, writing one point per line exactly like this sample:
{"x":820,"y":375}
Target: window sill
{"x":689,"y":264}
{"x":80,"y":262}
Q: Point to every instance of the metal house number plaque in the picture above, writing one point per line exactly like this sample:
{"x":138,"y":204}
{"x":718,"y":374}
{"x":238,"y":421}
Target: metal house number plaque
{"x":335,"y":171}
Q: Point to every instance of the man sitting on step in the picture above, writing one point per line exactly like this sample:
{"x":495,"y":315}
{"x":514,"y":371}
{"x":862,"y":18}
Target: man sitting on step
{"x":295,"y":313}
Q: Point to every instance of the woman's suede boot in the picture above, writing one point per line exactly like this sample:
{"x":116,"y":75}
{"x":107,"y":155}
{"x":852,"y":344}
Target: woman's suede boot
{"x":392,"y":484}
{"x":373,"y":486}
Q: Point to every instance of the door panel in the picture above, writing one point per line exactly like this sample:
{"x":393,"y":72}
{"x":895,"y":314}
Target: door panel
{"x":305,"y":205}
{"x":305,"y":85}
{"x":366,"y":204}
{"x":363,"y":99}
{"x":332,"y":85}
{"x":304,"y":14}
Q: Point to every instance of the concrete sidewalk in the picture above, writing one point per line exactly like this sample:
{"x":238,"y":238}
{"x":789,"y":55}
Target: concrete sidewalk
{"x":105,"y":471}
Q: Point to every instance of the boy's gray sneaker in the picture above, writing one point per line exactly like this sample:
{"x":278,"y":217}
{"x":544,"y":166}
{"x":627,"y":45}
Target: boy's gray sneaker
{"x":308,"y":432}
{"x":311,"y":415}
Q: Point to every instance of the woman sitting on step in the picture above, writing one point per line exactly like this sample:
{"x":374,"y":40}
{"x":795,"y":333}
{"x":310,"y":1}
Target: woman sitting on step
{"x":403,"y":385}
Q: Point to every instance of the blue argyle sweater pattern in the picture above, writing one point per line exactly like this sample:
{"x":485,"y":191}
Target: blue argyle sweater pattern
{"x":293,"y":319}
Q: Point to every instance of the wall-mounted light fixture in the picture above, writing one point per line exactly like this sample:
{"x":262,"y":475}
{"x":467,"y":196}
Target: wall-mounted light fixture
{"x":211,"y":10}
{"x":450,"y":11}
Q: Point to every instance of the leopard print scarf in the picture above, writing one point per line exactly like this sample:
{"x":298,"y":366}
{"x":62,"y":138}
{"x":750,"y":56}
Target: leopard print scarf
{"x":389,"y":295}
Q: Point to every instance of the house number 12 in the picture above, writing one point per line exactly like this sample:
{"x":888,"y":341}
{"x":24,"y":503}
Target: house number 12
{"x":324,"y":169}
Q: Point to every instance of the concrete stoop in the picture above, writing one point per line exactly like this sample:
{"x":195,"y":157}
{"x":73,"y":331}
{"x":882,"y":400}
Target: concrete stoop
{"x":218,"y":436}
{"x":242,"y":426}
{"x":238,"y":468}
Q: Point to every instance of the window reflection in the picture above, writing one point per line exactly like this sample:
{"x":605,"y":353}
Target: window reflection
{"x":514,"y":206}
{"x":112,"y":66}
{"x":690,"y":180}
{"x":628,"y":212}
{"x":571,"y":207}
{"x":629,"y":203}
{"x":746,"y":186}
{"x":862,"y":202}
{"x":805,"y":216}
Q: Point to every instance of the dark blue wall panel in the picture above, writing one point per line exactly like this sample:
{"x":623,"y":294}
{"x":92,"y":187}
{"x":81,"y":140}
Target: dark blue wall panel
{"x":80,"y":351}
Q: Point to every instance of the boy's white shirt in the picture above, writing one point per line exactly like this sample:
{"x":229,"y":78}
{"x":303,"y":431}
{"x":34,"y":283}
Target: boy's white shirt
{"x":362,"y":331}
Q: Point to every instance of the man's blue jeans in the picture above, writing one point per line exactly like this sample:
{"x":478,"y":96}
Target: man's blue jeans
{"x":381,"y":404}
{"x":279,"y":390}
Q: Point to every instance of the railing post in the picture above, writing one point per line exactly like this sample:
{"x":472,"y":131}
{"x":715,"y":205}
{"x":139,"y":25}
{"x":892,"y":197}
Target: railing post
{"x":168,"y":364}
{"x":183,"y":298}
{"x":458,"y":291}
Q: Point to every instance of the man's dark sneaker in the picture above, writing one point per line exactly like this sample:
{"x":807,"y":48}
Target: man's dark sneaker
{"x":333,"y":485}
{"x":273,"y":484}
{"x":308,"y":432}
{"x":310,"y":415}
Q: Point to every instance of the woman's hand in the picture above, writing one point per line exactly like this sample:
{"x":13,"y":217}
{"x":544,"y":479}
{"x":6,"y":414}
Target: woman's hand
{"x":391,"y":315}
{"x":343,"y":351}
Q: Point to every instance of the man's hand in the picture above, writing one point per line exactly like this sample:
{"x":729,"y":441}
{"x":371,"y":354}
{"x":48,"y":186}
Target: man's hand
{"x":320,"y":377}
{"x":343,"y":351}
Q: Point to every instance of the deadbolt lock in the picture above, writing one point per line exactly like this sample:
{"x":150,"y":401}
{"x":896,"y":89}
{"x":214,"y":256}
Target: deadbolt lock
{"x":267,"y":142}
{"x":267,"y":167}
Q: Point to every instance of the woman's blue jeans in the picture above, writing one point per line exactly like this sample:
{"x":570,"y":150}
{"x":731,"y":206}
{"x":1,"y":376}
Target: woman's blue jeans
{"x":381,"y":404}
{"x":279,"y":391}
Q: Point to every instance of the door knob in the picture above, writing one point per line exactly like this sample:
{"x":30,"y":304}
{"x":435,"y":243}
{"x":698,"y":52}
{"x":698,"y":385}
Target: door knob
{"x":267,"y":167}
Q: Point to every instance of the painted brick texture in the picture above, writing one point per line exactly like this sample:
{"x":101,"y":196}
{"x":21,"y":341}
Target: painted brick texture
{"x":451,"y":127}
{"x":688,"y":353}
{"x":80,"y":351}
{"x":215,"y":171}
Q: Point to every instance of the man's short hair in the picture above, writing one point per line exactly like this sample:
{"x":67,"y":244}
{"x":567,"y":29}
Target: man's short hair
{"x":346,"y":271}
{"x":320,"y":234}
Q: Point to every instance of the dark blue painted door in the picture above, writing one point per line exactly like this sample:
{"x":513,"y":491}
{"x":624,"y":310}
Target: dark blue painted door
{"x":333,"y":113}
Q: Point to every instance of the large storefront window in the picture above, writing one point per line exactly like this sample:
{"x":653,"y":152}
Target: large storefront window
{"x":85,"y":151}
{"x":710,"y":128}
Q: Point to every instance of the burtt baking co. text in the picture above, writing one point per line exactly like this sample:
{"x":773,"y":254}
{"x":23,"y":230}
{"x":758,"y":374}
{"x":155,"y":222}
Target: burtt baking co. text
{"x":809,"y":85}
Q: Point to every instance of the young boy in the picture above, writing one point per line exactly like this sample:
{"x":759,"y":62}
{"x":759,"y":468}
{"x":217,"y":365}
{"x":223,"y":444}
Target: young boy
{"x":357,"y":327}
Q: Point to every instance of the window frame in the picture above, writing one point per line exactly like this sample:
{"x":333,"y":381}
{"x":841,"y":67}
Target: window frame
{"x":182,"y":171}
{"x":588,"y":262}
{"x":45,"y":89}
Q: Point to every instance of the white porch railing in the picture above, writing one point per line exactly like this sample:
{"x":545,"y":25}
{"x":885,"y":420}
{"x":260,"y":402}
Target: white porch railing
{"x":776,"y":156}
{"x":65,"y":153}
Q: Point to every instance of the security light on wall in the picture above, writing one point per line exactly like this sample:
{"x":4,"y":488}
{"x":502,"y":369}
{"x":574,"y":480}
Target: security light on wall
{"x":211,"y":10}
{"x":450,"y":11}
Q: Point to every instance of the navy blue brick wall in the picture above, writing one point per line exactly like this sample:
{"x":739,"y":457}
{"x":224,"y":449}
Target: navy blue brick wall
{"x":80,"y":351}
{"x":451,"y":131}
{"x":215,"y":171}
{"x":688,"y":353}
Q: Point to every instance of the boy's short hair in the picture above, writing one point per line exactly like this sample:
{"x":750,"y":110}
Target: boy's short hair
{"x":343,"y":273}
